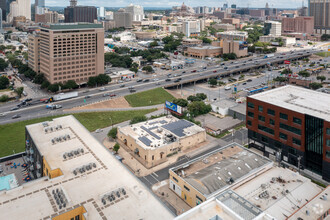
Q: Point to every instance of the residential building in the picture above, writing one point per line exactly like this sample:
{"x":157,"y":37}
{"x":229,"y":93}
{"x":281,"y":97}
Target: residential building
{"x":220,"y":14}
{"x":233,"y":35}
{"x":69,"y":169}
{"x":191,"y":28}
{"x":123,"y":18}
{"x":203,"y":51}
{"x":273,"y":28}
{"x":109,"y":15}
{"x":19,"y":8}
{"x":320,"y":10}
{"x":298,"y":25}
{"x":151,"y":142}
{"x":71,"y":51}
{"x":136,"y":11}
{"x":292,"y":124}
{"x":233,"y":21}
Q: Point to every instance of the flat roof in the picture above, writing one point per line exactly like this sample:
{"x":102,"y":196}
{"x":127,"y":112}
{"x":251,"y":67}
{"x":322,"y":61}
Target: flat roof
{"x":219,"y":169}
{"x":161,"y":131}
{"x":298,"y":99}
{"x":35,"y":198}
{"x":216,"y":123}
{"x":279,"y":192}
{"x":66,"y":26}
{"x":205,"y":47}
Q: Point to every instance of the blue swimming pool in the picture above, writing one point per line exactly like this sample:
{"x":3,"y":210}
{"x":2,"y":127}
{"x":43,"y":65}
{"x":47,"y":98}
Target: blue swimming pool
{"x":5,"y":181}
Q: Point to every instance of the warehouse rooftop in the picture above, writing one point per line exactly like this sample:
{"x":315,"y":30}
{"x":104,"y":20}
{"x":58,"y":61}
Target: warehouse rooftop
{"x":220,"y":169}
{"x":105,"y":189}
{"x":159,"y":132}
{"x":298,"y":99}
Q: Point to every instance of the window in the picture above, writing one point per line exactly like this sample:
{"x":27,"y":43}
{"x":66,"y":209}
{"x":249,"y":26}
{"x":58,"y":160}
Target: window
{"x":283,"y":136}
{"x":270,"y":112}
{"x":260,"y":108}
{"x":186,"y":188}
{"x":263,"y":139}
{"x":296,"y":141}
{"x":291,"y":129}
{"x":292,"y":151}
{"x":283,"y":116}
{"x":153,"y":157}
{"x":271,"y":121}
{"x":328,"y":130}
{"x":176,"y":180}
{"x":261,"y":118}
{"x":328,"y":142}
{"x":77,"y":217}
{"x":265,"y":129}
{"x":251,"y":114}
{"x":250,"y":105}
{"x":249,"y":123}
{"x":327,"y":154}
{"x":297,"y":120}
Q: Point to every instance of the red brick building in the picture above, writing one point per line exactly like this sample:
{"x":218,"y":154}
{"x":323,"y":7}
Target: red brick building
{"x":298,"y":25}
{"x":292,"y":124}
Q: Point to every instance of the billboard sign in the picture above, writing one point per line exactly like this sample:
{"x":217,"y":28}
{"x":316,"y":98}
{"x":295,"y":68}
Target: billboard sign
{"x":173,"y":107}
{"x":286,"y":62}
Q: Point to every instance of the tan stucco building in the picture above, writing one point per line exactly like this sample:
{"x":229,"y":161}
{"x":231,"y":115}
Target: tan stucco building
{"x":69,"y":52}
{"x":204,"y":51}
{"x":151,"y":142}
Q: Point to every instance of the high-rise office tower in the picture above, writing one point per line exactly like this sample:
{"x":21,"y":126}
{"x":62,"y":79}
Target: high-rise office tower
{"x":101,"y":12}
{"x":19,"y":8}
{"x":74,"y":13}
{"x":39,"y":7}
{"x":320,"y":10}
{"x":73,"y":3}
{"x":136,"y":11}
{"x":123,"y":18}
{"x":0,"y":20}
{"x":3,"y":6}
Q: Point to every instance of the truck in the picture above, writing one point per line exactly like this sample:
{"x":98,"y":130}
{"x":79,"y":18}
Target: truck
{"x":62,"y":96}
{"x":268,"y":56}
{"x":52,"y":107}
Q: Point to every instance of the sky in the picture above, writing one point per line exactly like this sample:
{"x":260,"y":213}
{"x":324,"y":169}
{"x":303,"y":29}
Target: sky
{"x":192,"y":3}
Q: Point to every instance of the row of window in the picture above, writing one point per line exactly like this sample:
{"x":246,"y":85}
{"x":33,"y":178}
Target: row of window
{"x":266,"y":129}
{"x":290,"y":128}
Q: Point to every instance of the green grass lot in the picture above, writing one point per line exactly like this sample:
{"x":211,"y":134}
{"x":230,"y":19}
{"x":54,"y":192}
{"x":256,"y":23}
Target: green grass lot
{"x":150,"y":97}
{"x":323,"y":54}
{"x":12,"y":136}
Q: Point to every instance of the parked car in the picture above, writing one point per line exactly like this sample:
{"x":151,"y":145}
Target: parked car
{"x":194,"y":71}
{"x":227,"y":88}
{"x":87,"y":96}
{"x":214,"y":71}
{"x":14,"y":108}
{"x":15,"y":116}
{"x":112,"y":95}
{"x":225,"y":68}
{"x":106,"y":94}
{"x":167,"y":80}
{"x":249,"y":80}
{"x":244,"y":83}
{"x":146,"y":80}
{"x":177,"y":80}
{"x":2,"y":114}
{"x":183,"y":72}
{"x":122,"y":85}
{"x":139,"y":80}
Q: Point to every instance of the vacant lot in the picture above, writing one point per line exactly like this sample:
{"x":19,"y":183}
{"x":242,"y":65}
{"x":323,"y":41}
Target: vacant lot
{"x":12,"y":136}
{"x":150,"y":97}
{"x":324,"y":54}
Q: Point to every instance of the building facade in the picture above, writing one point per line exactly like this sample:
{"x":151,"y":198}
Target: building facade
{"x":298,"y":25}
{"x":47,"y":17}
{"x":136,"y":11}
{"x":273,"y":28}
{"x":19,"y":8}
{"x":33,"y":52}
{"x":292,"y":124}
{"x":70,"y":52}
{"x":320,"y":10}
{"x":80,"y":14}
{"x":191,"y":28}
{"x":122,"y":18}
{"x":233,"y":35}
{"x":203,"y":51}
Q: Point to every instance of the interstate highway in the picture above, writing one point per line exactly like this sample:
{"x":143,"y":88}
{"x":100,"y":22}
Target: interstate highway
{"x":39,"y":110}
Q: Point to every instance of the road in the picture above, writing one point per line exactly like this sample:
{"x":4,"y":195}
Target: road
{"x":39,"y":110}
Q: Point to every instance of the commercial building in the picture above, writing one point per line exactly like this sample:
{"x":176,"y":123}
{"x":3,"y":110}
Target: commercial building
{"x":70,"y":51}
{"x":78,"y":179}
{"x":18,"y":19}
{"x":203,"y":51}
{"x":47,"y":17}
{"x":225,"y":27}
{"x":292,"y":124}
{"x":136,"y":11}
{"x":191,"y":28}
{"x":80,"y":14}
{"x":257,"y":13}
{"x":145,"y":35}
{"x":233,"y":35}
{"x":320,"y":10}
{"x":33,"y":52}
{"x":19,"y":8}
{"x":39,"y":7}
{"x":203,"y":178}
{"x":152,"y":141}
{"x":220,"y":14}
{"x":287,"y":41}
{"x":234,"y":46}
{"x":273,"y":28}
{"x":298,"y":25}
{"x":123,"y":18}
{"x":233,"y":21}
{"x":3,"y":6}
{"x":191,"y":42}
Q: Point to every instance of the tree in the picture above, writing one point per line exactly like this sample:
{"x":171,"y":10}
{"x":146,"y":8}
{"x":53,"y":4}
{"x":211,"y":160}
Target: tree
{"x":103,"y":79}
{"x":21,"y":47}
{"x":92,"y":81}
{"x":4,"y":82}
{"x":153,"y":44}
{"x":44,"y":84}
{"x":39,"y":78}
{"x":321,"y":78}
{"x":116,"y":147}
{"x":304,"y":73}
{"x":201,"y":96}
{"x":213,"y":82}
{"x":280,"y":79}
{"x":3,"y":64}
{"x":315,"y":85}
{"x":286,"y":71}
{"x":113,"y":133}
{"x":181,"y":102}
{"x":53,"y":87}
{"x":206,"y":40}
{"x":148,"y":69}
{"x":230,"y":56}
{"x":325,"y":37}
{"x":199,"y":108}
{"x":193,"y":98}
{"x":138,"y":119}
{"x":19,"y":91}
{"x":4,"y":98}
{"x":71,"y":84}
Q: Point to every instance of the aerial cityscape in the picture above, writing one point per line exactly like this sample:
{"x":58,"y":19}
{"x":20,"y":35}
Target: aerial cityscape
{"x":189,"y":110}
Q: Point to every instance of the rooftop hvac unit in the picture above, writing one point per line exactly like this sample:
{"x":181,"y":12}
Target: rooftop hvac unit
{"x":64,"y":137}
{"x":94,"y":165}
{"x":53,"y":141}
{"x":46,"y":130}
{"x":118,"y":194}
{"x":45,"y":124}
{"x":68,"y":136}
{"x":75,"y":172}
{"x":51,"y":129}
{"x":64,"y":156}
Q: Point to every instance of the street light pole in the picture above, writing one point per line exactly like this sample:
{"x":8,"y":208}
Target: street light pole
{"x":111,"y":121}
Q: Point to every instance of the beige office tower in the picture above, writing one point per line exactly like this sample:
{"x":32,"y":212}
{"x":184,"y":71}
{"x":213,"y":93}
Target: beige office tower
{"x":71,"y":51}
{"x":320,"y":10}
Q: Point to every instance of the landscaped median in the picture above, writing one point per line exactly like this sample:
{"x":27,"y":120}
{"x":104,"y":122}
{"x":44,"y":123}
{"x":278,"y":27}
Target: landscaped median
{"x":12,"y":136}
{"x":149,"y":97}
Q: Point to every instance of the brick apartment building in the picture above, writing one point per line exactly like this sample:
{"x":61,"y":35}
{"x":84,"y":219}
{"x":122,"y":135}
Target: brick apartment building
{"x":298,"y":25}
{"x":293,"y":124}
{"x":65,"y":52}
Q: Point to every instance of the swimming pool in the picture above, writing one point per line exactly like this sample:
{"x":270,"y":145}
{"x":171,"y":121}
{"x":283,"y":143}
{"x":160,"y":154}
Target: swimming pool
{"x":8,"y":182}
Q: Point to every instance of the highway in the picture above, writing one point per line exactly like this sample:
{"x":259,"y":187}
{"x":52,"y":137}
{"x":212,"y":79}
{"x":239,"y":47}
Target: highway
{"x":237,"y":66}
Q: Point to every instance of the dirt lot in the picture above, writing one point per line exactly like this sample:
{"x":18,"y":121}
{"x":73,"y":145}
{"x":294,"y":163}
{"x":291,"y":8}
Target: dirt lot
{"x":177,"y":93}
{"x":119,"y":102}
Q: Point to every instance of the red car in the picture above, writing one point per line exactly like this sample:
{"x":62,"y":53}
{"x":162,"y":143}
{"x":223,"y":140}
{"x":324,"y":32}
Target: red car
{"x":214,"y":71}
{"x":194,"y":71}
{"x":112,"y":95}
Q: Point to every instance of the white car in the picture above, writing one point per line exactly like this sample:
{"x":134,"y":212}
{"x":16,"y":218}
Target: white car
{"x":2,"y":114}
{"x":102,"y":89}
{"x":227,"y":88}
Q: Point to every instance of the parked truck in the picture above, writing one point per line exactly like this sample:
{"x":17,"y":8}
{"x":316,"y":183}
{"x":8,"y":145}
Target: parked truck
{"x":268,"y":56}
{"x":62,"y":96}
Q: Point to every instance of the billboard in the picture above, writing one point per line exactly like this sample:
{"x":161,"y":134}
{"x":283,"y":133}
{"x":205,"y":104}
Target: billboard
{"x":287,"y":62}
{"x":173,"y":107}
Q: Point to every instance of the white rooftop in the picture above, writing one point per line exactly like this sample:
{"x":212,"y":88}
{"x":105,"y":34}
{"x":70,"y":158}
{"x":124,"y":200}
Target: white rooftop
{"x":206,"y":48}
{"x":34,"y":200}
{"x":158,"y":132}
{"x":298,"y":99}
